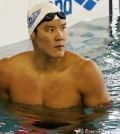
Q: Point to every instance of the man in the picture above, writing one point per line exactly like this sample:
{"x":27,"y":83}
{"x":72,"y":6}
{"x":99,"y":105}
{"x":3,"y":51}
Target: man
{"x":50,"y":75}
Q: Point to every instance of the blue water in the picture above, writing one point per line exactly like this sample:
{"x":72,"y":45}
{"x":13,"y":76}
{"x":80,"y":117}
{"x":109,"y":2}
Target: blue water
{"x":92,"y":40}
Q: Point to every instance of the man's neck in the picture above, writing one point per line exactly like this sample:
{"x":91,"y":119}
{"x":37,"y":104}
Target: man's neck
{"x":48,"y":63}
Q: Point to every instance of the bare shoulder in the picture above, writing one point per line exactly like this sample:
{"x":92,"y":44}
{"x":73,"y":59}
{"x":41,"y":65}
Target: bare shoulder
{"x":83,"y":66}
{"x":74,"y":58}
{"x":8,"y":64}
{"x":91,"y":68}
{"x":19,"y":60}
{"x":20,"y":56}
{"x":3,"y":64}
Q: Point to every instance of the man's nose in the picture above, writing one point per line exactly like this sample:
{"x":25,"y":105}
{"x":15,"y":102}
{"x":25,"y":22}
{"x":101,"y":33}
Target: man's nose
{"x":59,"y":35}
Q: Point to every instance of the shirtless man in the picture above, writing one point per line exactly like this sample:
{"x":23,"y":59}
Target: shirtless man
{"x":50,"y":75}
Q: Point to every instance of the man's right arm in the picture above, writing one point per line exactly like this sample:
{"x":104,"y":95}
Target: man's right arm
{"x":3,"y":79}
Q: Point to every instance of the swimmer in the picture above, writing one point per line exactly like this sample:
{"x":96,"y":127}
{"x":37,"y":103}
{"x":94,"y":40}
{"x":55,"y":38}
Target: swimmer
{"x":50,"y":75}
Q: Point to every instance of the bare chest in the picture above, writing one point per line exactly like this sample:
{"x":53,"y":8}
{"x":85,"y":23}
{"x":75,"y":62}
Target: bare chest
{"x":57,"y":92}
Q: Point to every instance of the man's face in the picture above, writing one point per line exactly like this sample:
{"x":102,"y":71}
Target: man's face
{"x":51,"y":38}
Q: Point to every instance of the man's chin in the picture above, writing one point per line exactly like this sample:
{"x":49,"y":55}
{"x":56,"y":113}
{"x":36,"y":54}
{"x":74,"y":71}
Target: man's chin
{"x":59,"y":54}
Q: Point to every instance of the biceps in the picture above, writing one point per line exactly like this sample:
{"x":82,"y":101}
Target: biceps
{"x":96,"y":97}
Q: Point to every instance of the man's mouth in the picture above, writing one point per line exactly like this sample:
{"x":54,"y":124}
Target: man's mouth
{"x":59,"y":46}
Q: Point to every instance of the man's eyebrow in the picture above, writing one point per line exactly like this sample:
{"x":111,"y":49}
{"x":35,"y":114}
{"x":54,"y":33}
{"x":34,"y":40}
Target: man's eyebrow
{"x":49,"y":26}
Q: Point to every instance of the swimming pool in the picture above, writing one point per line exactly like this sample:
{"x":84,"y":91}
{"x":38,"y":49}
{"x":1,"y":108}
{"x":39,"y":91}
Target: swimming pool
{"x":92,"y":40}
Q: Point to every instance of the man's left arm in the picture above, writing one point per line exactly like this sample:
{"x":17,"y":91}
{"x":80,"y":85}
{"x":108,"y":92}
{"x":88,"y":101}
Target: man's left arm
{"x":95,"y":91}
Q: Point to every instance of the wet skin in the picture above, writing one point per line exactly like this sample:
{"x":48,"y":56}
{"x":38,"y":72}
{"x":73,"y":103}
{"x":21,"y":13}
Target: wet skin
{"x":50,"y":75}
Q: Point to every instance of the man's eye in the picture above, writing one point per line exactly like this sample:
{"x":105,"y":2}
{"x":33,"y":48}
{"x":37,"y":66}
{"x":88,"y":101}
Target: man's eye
{"x":64,"y":27}
{"x":50,"y":29}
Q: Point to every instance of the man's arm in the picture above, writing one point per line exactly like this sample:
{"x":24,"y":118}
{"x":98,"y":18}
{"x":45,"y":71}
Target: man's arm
{"x":3,"y":79}
{"x":95,"y":91}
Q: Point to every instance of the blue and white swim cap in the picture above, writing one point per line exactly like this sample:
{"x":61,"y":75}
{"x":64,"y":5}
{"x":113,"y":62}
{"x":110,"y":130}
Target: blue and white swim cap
{"x":37,"y":13}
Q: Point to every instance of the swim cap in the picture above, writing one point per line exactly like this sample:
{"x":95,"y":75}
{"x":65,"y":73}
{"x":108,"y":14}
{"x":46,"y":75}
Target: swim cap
{"x":37,"y":13}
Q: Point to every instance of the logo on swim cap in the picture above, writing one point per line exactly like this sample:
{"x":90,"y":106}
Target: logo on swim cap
{"x":31,"y":19}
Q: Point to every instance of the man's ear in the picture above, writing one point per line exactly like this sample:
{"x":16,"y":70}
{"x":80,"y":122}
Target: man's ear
{"x":33,"y":35}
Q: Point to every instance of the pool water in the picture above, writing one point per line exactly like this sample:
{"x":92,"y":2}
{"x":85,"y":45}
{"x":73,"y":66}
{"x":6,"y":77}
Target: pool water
{"x":92,"y":40}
